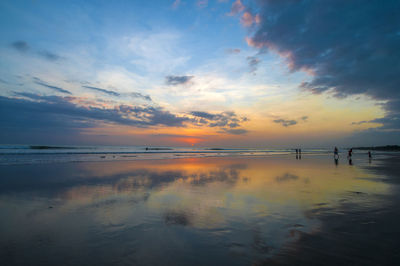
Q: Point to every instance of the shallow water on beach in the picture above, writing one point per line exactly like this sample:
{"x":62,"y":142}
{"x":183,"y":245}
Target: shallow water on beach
{"x":192,"y":211}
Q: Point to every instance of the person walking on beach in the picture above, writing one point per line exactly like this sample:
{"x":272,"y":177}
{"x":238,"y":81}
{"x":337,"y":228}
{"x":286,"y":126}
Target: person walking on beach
{"x":349,"y":157}
{"x":336,"y":155}
{"x":350,"y":153}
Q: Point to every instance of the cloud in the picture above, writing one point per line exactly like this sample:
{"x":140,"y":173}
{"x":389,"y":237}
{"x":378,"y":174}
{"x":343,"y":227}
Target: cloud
{"x":159,"y":52}
{"x":62,"y":115}
{"x":112,"y":93}
{"x":233,"y":51}
{"x":20,"y":46}
{"x":350,"y":47}
{"x":359,"y":122}
{"x":227,"y":121}
{"x":285,"y":123}
{"x":23,"y":47}
{"x":247,"y":19}
{"x":117,"y":94}
{"x":390,"y":122}
{"x":236,"y":8}
{"x":49,"y":56}
{"x":55,"y":88}
{"x":48,"y":109}
{"x":177,"y":80}
{"x":304,"y":118}
{"x":253,"y":63}
{"x":203,"y":115}
{"x":142,"y":96}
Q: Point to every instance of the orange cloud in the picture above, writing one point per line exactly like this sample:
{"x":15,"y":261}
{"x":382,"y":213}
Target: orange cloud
{"x":248,"y":19}
{"x":237,"y":7}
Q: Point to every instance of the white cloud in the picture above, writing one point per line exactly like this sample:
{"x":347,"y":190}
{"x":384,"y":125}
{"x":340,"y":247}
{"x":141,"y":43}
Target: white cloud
{"x":157,"y":52}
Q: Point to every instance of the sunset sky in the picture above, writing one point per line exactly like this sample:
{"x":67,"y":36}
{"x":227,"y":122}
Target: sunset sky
{"x":202,"y":73}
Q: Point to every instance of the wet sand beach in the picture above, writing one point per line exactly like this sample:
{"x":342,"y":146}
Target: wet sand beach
{"x":264,"y":210}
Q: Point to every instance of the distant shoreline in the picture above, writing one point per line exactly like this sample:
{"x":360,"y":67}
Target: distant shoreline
{"x":380,"y":148}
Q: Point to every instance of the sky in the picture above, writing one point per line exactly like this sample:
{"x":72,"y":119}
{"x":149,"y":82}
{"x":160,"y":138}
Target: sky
{"x":200,"y":73}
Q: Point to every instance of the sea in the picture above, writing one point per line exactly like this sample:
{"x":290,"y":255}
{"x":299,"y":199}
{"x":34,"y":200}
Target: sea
{"x":32,"y":154}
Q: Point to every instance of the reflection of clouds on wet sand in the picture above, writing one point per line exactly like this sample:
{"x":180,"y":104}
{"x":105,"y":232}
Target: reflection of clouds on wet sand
{"x":253,"y":206}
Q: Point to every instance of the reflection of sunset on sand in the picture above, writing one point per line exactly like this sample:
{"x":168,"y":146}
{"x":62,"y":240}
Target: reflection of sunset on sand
{"x":236,"y":200}
{"x":272,"y":179}
{"x":202,"y":187}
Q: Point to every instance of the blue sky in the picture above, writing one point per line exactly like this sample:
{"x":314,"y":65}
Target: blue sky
{"x":146,"y":69}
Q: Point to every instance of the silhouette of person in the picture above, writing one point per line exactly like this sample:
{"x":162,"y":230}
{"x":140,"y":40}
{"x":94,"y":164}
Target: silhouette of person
{"x":349,"y":156}
{"x":350,"y":153}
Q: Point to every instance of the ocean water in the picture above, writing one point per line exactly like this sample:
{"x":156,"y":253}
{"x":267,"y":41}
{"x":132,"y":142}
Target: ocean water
{"x":226,"y":210}
{"x":31,"y":154}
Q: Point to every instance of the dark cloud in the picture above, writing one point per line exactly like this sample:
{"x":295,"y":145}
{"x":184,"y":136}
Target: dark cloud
{"x":359,"y":122}
{"x":112,"y":93}
{"x":20,"y":46}
{"x":177,"y":80}
{"x":142,"y":96}
{"x":23,"y":47}
{"x":304,"y":118}
{"x":389,"y":121}
{"x":223,"y":119}
{"x":233,"y":125}
{"x":229,"y":122}
{"x":203,"y":115}
{"x":253,"y":63}
{"x":51,"y":112}
{"x":49,"y":56}
{"x":61,"y":116}
{"x":352,"y":47}
{"x":285,"y":123}
{"x":55,"y":88}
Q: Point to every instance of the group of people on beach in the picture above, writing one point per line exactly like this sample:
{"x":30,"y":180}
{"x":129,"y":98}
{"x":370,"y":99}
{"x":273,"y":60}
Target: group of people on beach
{"x":298,"y":154}
{"x":336,"y":155}
{"x":349,"y":155}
